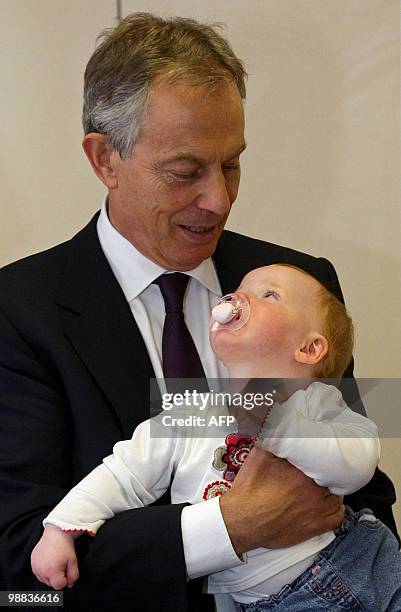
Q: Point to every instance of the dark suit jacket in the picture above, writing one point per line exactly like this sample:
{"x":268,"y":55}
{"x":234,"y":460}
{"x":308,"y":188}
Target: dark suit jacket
{"x":74,"y":379}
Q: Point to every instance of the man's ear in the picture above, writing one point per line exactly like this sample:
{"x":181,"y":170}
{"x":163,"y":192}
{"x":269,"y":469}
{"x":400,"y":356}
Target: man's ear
{"x":102,"y":158}
{"x":313,"y":349}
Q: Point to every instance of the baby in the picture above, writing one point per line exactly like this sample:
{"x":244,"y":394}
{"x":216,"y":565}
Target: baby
{"x":284,"y":325}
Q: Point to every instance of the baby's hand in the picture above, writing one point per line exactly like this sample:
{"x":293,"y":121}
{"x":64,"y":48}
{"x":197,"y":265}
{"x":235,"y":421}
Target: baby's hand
{"x":53,"y":559}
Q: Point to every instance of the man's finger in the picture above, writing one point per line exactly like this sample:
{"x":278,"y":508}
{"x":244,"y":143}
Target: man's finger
{"x":335,"y":501}
{"x":335,"y":519}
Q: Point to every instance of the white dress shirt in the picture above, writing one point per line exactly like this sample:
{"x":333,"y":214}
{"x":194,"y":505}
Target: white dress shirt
{"x":207,"y":546}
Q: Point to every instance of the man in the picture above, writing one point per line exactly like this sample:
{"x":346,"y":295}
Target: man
{"x":81,"y":328}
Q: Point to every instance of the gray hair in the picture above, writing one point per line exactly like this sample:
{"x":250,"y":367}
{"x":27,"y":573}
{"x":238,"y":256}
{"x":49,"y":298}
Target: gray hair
{"x":143,"y":47}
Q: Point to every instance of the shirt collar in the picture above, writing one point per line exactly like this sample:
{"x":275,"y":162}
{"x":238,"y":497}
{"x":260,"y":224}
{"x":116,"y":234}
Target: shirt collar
{"x":134,"y":271}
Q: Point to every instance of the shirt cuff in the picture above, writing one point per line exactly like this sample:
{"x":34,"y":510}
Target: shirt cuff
{"x":207,"y":545}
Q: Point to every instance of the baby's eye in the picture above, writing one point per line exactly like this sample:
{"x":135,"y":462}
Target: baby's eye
{"x":272,"y":294}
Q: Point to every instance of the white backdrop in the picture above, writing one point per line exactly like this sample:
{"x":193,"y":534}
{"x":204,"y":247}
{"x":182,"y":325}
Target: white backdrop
{"x":321,"y":173}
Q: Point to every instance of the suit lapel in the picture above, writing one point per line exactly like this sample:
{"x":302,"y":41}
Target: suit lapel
{"x":103,"y":331}
{"x":231,"y":263}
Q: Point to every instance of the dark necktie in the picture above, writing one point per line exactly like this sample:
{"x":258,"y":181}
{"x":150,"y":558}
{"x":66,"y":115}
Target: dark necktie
{"x":180,"y":357}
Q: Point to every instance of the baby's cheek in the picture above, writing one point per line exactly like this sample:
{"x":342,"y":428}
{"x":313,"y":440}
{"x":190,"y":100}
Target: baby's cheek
{"x":260,"y":343}
{"x":271,"y":335}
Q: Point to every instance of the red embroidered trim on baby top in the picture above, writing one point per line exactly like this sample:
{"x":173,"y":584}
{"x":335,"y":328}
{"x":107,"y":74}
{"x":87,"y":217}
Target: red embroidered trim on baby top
{"x":91,"y":533}
{"x":237,"y":450}
{"x":229,"y":459}
{"x":214,"y":489}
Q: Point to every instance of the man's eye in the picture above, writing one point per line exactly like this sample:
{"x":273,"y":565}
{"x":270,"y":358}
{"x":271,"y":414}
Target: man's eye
{"x":231,"y":167}
{"x":272,"y":294}
{"x":184,"y":176}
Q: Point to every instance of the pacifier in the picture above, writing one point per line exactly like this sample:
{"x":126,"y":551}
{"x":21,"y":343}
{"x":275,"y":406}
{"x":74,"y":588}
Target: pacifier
{"x":231,"y":313}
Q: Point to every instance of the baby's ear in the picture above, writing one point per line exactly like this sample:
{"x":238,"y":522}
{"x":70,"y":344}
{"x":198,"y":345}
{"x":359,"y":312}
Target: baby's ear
{"x":314,"y":348}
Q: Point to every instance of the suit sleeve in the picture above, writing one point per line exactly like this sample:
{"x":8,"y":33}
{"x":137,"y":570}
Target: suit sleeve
{"x":379,"y":493}
{"x":119,"y":566}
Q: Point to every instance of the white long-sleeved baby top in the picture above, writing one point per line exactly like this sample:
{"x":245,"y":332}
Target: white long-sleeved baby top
{"x":314,"y":430}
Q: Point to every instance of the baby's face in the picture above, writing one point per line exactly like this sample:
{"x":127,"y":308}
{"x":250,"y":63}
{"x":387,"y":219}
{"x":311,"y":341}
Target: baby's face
{"x":283,"y":311}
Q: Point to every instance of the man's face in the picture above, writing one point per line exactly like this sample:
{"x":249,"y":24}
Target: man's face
{"x":174,"y":193}
{"x":283,"y":312}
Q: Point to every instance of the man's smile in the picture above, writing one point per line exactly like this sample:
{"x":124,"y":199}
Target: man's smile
{"x":200,"y":233}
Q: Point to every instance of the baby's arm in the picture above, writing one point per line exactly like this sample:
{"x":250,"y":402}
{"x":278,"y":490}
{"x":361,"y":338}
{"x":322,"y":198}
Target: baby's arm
{"x":135,"y":475}
{"x":316,"y":431}
{"x":53,"y":559}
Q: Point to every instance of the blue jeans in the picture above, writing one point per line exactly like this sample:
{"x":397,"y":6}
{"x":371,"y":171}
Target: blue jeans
{"x":360,"y":570}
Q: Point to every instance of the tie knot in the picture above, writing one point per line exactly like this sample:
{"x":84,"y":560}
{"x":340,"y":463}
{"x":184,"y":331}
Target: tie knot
{"x":172,"y":287}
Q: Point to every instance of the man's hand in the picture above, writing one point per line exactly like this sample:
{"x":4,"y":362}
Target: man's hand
{"x":53,"y":559}
{"x":272,"y":504}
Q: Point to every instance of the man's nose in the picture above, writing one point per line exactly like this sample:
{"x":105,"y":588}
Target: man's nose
{"x":215,"y":195}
